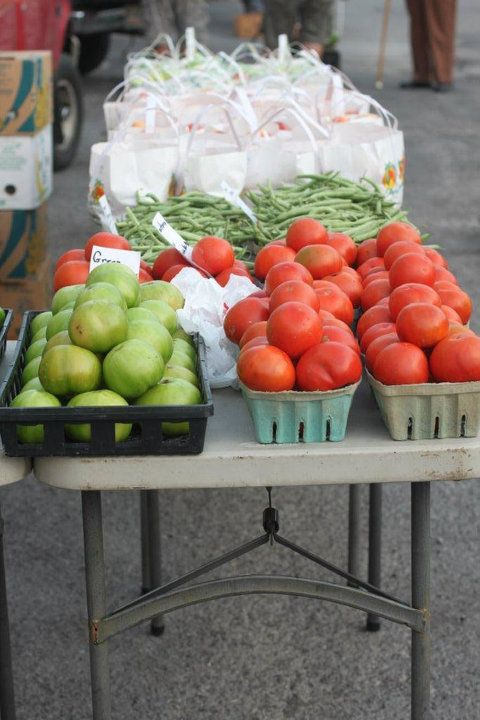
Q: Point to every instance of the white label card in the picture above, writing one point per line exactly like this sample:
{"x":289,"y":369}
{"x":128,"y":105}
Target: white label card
{"x":233,"y":197}
{"x":172,"y":236}
{"x":102,"y":255}
{"x":106,"y":215}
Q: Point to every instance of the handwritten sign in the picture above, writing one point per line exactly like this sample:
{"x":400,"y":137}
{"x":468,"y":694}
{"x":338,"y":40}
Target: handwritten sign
{"x":102,"y":255}
{"x":172,"y":236}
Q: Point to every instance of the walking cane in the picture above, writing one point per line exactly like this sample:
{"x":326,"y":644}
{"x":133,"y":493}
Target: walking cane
{"x":383,"y":44}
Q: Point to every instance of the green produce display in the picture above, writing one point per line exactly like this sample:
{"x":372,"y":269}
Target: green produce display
{"x":356,"y":208}
{"x":2,"y":316}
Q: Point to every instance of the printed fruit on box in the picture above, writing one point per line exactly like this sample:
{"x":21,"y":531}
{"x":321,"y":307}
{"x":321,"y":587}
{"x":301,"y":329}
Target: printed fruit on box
{"x":131,"y":368}
{"x":172,"y":392}
{"x":30,"y":399}
{"x":69,"y":370}
{"x":97,"y":398}
{"x":121,"y":276}
{"x":98,"y":326}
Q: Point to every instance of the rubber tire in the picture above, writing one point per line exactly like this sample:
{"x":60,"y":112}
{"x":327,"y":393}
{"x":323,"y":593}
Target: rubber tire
{"x":93,"y":51}
{"x":67,"y":72}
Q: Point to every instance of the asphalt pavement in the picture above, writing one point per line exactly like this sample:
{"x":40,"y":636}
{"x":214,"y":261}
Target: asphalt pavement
{"x":266,"y":658}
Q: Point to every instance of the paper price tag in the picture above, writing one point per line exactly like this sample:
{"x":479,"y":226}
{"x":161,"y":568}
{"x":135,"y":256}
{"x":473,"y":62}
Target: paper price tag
{"x":233,"y":197}
{"x":172,"y":236}
{"x":102,"y":255}
{"x":106,"y":215}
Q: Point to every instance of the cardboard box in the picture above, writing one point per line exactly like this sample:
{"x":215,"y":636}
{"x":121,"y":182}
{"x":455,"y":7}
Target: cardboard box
{"x":23,"y":242}
{"x":26,"y":170}
{"x":26,"y":98}
{"x":31,"y":293}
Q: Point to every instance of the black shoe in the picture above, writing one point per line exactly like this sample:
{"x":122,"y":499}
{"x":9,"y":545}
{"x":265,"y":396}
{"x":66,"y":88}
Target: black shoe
{"x":414,"y":85}
{"x":442,"y":87}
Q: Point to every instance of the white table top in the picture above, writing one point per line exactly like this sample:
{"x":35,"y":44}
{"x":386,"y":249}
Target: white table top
{"x":11,"y":469}
{"x":232,"y":458}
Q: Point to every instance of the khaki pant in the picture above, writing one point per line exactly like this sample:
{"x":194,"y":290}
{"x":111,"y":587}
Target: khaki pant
{"x":432,"y":31}
{"x":174,"y":16}
{"x":315,"y":17}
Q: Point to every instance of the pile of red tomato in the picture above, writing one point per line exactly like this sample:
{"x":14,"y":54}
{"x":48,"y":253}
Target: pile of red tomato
{"x":414,"y":323}
{"x":295,"y":334}
{"x":214,"y":255}
{"x":73,"y":267}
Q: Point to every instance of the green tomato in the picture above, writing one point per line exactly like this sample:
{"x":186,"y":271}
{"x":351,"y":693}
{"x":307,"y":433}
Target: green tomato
{"x":65,"y":296}
{"x":98,"y":326}
{"x":131,"y":368}
{"x":172,"y":392}
{"x":69,"y":370}
{"x":33,"y":398}
{"x":97,"y":398}
{"x":40,"y":321}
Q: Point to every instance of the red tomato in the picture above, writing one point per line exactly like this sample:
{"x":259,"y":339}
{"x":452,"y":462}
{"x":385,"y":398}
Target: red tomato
{"x":422,"y":324}
{"x":175,"y":269}
{"x":294,"y":291}
{"x":456,"y":359}
{"x":373,"y":316}
{"x":241,"y":315}
{"x":76,"y":254}
{"x":333,"y":333}
{"x":329,"y":319}
{"x":375,"y":291}
{"x":401,"y":364}
{"x":377,"y":345}
{"x":350,"y":284}
{"x":213,"y":254}
{"x":375,"y":331}
{"x":328,"y":366}
{"x":258,"y":329}
{"x":409,"y":293}
{"x":305,"y":231}
{"x":350,"y":271}
{"x":384,"y":301}
{"x":148,"y":268}
{"x":294,"y":327}
{"x":436,"y":257}
{"x":223,"y":277}
{"x":241,"y":265}
{"x":456,"y":327}
{"x":266,"y":368}
{"x":269,"y":256}
{"x":401,"y":248}
{"x":259,"y":294}
{"x":452,"y":315}
{"x":333,"y":299}
{"x":412,"y":268}
{"x":369,"y":265}
{"x":442,"y":273}
{"x":144,"y":276}
{"x":276,"y":242}
{"x":367,"y":250}
{"x":375,"y":274}
{"x":286,"y":271}
{"x":166,"y":260}
{"x":254,"y":342}
{"x":455,"y":298}
{"x":320,"y":260}
{"x":106,"y":239}
{"x":73,"y":272}
{"x":344,"y":245}
{"x":393,"y":232}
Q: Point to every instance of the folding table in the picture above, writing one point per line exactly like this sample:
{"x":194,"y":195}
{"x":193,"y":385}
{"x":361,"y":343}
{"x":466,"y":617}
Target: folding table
{"x":232,"y":459}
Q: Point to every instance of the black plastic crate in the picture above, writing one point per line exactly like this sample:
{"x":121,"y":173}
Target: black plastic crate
{"x":4,"y":331}
{"x":146,"y":437}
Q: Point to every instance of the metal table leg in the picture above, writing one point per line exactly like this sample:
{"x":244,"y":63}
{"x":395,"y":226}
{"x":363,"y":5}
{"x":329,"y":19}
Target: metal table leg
{"x":374,"y":546}
{"x":96,"y":602}
{"x":421,"y":548}
{"x":354,"y":530}
{"x":154,"y":551}
{"x":7,"y":698}
{"x":146,"y":583}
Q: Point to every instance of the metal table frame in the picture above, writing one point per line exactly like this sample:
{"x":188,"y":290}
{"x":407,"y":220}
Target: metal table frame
{"x":158,"y":600}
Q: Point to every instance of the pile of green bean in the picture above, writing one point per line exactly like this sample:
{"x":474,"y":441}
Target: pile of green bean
{"x":357,"y":208}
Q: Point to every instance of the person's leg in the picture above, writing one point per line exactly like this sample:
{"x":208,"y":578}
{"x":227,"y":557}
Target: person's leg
{"x":441,"y":17}
{"x":192,"y":13}
{"x":419,"y":42}
{"x":279,"y":19}
{"x":316,"y":20}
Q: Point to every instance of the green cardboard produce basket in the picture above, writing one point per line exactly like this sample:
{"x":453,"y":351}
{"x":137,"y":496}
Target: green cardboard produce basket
{"x":292,"y":417}
{"x":428,"y":410}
